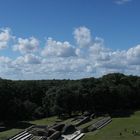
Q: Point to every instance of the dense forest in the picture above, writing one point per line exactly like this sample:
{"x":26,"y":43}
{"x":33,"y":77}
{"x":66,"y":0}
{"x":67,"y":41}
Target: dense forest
{"x":33,"y":99}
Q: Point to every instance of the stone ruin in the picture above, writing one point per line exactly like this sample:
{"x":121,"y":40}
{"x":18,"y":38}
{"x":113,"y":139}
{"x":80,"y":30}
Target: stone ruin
{"x":55,"y":132}
{"x":62,"y":131}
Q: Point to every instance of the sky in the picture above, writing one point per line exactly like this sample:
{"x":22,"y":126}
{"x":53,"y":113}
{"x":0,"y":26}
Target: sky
{"x":68,"y":39}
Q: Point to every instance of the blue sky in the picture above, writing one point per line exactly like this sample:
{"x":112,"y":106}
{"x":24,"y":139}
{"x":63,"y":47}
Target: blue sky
{"x":82,"y":37}
{"x":117,"y":24}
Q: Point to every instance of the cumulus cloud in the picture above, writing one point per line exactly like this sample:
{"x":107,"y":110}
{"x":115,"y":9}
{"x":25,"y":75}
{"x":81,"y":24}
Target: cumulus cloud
{"x":98,"y":51}
{"x":4,"y":60}
{"x":88,"y":57}
{"x":28,"y":59}
{"x":58,"y":49}
{"x":120,"y":2}
{"x":27,"y":45}
{"x":4,"y":37}
{"x":32,"y":59}
{"x":133,"y":55}
{"x":82,"y":36}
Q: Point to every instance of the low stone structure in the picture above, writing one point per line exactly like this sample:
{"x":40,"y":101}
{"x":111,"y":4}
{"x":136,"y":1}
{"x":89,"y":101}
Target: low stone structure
{"x":60,"y":131}
{"x":55,"y":135}
{"x":68,"y":129}
{"x":82,"y":121}
{"x":101,"y":123}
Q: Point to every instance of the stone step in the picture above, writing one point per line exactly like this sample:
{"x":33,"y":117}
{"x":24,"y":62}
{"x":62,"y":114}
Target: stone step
{"x":17,"y":135}
{"x":79,"y":136}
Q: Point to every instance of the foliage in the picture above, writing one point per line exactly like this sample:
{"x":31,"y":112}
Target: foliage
{"x":28,"y":100}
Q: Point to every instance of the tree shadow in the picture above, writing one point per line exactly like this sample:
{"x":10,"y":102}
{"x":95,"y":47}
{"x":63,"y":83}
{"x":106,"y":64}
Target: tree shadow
{"x":122,"y":113}
{"x":7,"y":125}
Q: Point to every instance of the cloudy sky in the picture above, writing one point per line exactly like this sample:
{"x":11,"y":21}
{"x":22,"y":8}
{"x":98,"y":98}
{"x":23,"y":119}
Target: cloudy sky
{"x":68,"y":39}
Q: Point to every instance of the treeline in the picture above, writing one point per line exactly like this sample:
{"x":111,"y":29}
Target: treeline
{"x":26,"y":100}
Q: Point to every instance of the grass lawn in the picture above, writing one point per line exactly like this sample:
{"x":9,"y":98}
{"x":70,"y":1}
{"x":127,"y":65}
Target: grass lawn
{"x":117,"y":126}
{"x":125,"y":126}
{"x":6,"y":134}
{"x":46,"y":121}
{"x":11,"y":132}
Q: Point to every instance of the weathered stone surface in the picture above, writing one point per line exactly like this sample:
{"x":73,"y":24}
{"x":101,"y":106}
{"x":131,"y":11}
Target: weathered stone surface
{"x":86,"y":119}
{"x":58,"y":127}
{"x":92,"y":116}
{"x":68,"y":129}
{"x":55,"y":135}
{"x":51,"y":131}
{"x":99,"y":124}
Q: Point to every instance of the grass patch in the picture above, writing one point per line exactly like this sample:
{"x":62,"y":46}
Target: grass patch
{"x":46,"y":121}
{"x":117,"y":126}
{"x":68,"y":121}
{"x":9,"y":133}
{"x":125,"y":126}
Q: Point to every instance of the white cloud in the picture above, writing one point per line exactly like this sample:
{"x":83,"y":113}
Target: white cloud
{"x":58,"y":49}
{"x":82,"y":36}
{"x":4,"y":60}
{"x":28,"y":59}
{"x":89,"y":57}
{"x":133,"y":55}
{"x":27,"y":45}
{"x":32,"y":59}
{"x":134,"y":52}
{"x":4,"y":37}
{"x":120,"y":2}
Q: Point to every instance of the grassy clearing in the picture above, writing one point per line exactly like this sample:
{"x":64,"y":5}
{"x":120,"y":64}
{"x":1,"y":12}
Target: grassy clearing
{"x":11,"y":132}
{"x":46,"y":121}
{"x":6,"y":134}
{"x":125,"y":126}
{"x":68,"y":121}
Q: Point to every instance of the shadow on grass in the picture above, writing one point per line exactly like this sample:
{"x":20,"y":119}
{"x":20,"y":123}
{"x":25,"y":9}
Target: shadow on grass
{"x":122,"y":113}
{"x":12,"y":124}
